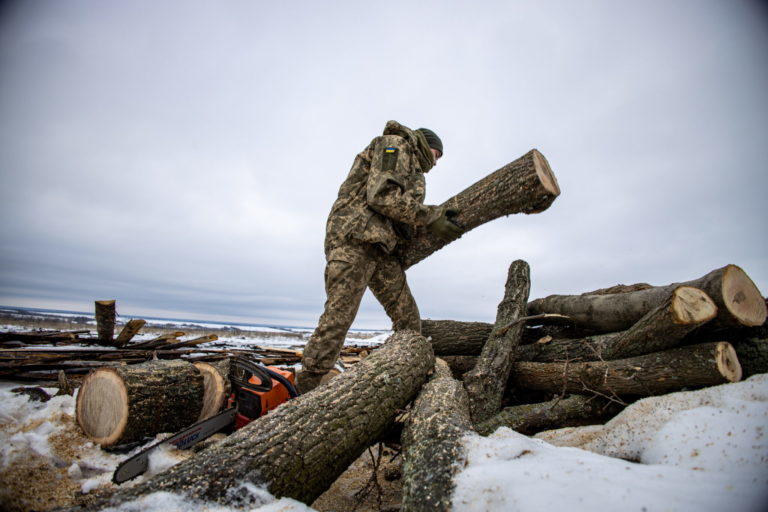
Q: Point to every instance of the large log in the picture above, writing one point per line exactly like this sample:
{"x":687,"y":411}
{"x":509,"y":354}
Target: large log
{"x":127,"y":403}
{"x":105,"y":321}
{"x":738,"y":300}
{"x":652,"y":374}
{"x":753,"y":356}
{"x":216,"y":384}
{"x":450,"y":337}
{"x":432,"y":447}
{"x":526,"y":185}
{"x":660,"y":329}
{"x":529,"y":419}
{"x":300,"y":448}
{"x":486,"y":382}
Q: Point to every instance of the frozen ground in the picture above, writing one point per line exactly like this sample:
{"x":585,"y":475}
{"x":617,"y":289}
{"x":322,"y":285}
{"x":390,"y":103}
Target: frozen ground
{"x":692,"y":451}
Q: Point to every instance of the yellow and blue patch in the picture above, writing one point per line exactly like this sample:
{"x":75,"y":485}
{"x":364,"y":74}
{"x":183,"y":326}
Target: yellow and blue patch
{"x":390,"y":150}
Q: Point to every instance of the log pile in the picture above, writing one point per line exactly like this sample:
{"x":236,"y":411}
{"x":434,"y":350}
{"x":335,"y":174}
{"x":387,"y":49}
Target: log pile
{"x":617,"y":345}
{"x":558,"y":361}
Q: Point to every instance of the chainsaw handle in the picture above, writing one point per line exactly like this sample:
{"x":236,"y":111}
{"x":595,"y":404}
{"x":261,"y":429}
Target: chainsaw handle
{"x":285,"y":382}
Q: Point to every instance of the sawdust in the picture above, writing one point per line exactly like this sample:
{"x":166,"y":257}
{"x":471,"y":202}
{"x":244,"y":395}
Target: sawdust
{"x":348,"y":492}
{"x":34,"y":484}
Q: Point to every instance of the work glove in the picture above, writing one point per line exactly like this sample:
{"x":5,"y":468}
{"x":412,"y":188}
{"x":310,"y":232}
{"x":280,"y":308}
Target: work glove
{"x":445,"y":227}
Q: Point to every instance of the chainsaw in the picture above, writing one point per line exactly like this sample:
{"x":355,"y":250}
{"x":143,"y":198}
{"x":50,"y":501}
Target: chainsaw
{"x":256,"y":390}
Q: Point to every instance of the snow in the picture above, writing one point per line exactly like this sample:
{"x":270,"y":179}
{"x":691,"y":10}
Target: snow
{"x":689,"y":451}
{"x":698,"y":451}
{"x":259,"y":501}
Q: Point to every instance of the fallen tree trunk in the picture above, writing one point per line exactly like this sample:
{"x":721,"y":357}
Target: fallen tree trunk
{"x":738,"y":300}
{"x":130,"y":329}
{"x":753,"y":356}
{"x":486,"y":382}
{"x":660,"y":329}
{"x":127,"y":403}
{"x":105,"y":321}
{"x":216,"y":385}
{"x":450,"y":337}
{"x":457,"y":338}
{"x":300,"y":448}
{"x":652,"y":374}
{"x":526,"y":185}
{"x":460,"y":365}
{"x":529,"y":419}
{"x":432,"y":448}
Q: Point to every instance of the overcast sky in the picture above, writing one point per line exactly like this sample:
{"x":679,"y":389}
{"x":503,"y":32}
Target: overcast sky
{"x":182,"y":157}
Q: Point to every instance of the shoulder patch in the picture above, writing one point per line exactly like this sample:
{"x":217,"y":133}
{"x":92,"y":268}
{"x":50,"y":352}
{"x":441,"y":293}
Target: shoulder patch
{"x":389,"y":160}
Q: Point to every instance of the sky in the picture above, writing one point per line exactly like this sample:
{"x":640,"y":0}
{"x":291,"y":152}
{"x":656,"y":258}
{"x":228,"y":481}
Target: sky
{"x":182,"y":156}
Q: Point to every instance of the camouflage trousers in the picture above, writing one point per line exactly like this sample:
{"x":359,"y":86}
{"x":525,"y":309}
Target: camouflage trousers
{"x":351,"y":269}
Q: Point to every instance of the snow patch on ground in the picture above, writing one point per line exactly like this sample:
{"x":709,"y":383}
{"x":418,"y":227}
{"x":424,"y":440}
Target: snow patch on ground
{"x":262,"y":501}
{"x":698,"y":451}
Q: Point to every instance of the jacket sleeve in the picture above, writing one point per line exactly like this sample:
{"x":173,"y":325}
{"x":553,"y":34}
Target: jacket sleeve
{"x":388,"y":189}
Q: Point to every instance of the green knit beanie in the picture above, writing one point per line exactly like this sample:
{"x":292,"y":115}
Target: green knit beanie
{"x":432,"y":139}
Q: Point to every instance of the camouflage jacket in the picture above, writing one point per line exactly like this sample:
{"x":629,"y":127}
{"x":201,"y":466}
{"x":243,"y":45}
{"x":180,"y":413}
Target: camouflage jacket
{"x":384,"y":187}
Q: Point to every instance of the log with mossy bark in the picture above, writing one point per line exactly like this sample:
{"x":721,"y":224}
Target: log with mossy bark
{"x":124,"y":404}
{"x":432,"y":447}
{"x":486,"y":381}
{"x":662,"y":328}
{"x":573,"y":410}
{"x":299,"y":449}
{"x":738,"y":300}
{"x":526,"y":185}
{"x":651,"y":374}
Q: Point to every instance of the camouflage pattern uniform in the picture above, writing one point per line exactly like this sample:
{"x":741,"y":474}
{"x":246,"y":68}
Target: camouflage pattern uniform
{"x":379,"y":204}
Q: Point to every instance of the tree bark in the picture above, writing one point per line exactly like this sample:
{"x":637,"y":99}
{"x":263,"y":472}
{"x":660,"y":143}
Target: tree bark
{"x":486,"y":382}
{"x":738,"y":300}
{"x":130,"y":329}
{"x":449,"y":337}
{"x":127,"y":403}
{"x":300,"y":448}
{"x":432,"y":447}
{"x":652,"y":374}
{"x":529,"y":419}
{"x":460,"y":365}
{"x":105,"y":321}
{"x":660,"y":329}
{"x":526,"y":185}
{"x":753,"y":356}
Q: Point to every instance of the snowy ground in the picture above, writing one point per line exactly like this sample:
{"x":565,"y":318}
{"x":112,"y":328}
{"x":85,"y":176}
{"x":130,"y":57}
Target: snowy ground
{"x":690,"y":451}
{"x":693,"y":451}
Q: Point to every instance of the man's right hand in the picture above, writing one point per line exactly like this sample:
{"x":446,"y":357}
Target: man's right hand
{"x":444,"y":227}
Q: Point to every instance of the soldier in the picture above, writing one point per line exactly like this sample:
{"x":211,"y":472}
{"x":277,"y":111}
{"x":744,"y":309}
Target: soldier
{"x":379,"y":205}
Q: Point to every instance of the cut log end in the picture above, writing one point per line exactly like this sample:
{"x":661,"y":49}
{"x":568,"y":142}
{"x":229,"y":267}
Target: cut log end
{"x":691,"y":305}
{"x":215,"y":390}
{"x":728,"y":362}
{"x":102,"y":406}
{"x":742,"y":298}
{"x":545,"y":174}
